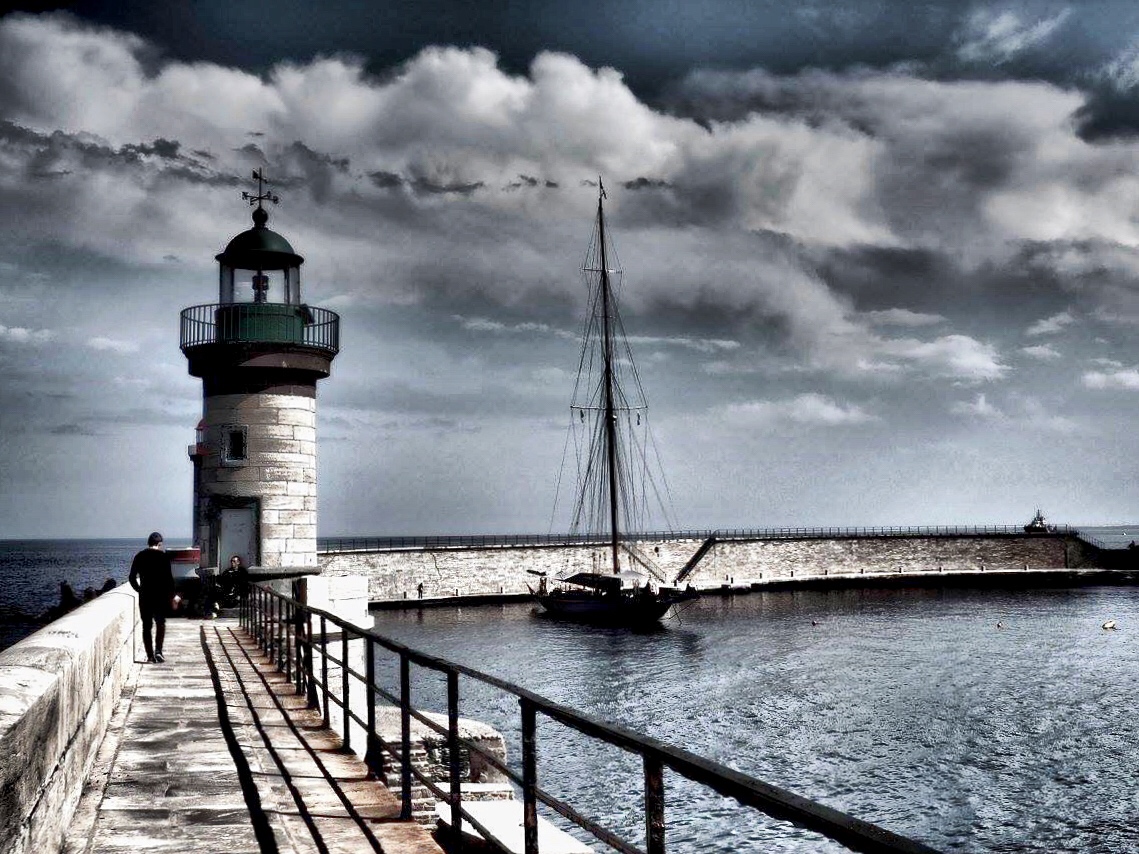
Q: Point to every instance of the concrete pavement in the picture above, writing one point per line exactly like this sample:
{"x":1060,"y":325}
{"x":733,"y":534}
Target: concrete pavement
{"x":213,"y":751}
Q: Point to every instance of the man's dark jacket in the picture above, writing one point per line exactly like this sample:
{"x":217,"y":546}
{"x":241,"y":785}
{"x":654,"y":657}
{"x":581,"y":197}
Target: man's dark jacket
{"x":152,"y":577}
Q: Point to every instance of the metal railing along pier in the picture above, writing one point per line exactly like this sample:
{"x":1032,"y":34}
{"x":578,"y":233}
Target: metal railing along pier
{"x":305,"y":641}
{"x":329,"y":545}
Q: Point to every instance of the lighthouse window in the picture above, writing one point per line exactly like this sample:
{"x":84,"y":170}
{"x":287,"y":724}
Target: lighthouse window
{"x":234,"y":450}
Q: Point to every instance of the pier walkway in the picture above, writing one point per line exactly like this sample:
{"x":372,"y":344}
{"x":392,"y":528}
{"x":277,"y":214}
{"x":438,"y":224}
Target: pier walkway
{"x":213,"y":751}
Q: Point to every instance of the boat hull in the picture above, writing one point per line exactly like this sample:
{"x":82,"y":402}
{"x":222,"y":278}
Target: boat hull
{"x":606,"y":610}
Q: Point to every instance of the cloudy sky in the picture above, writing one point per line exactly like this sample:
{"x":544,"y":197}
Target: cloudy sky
{"x":880,"y":259}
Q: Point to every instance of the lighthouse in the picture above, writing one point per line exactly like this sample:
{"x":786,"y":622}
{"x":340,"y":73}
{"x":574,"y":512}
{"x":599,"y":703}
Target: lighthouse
{"x":260,"y":351}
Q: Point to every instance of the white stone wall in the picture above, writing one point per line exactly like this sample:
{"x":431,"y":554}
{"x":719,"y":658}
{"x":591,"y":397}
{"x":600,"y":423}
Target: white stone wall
{"x":58,"y":689}
{"x":396,"y":576}
{"x":280,"y":470}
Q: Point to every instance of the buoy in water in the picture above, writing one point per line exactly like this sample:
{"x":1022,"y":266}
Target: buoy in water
{"x":1110,"y":624}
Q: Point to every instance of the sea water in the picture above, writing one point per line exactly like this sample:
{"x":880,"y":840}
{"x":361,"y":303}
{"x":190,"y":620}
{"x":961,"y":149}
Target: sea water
{"x":971,"y":720}
{"x":31,"y":572}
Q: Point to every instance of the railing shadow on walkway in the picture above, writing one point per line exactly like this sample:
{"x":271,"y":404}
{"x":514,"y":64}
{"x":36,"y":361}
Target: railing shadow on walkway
{"x":265,"y":702}
{"x":311,"y":647}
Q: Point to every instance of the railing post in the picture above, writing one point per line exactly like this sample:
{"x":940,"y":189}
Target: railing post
{"x":344,"y":687}
{"x":373,"y":756}
{"x":405,"y":734}
{"x":529,"y":777}
{"x":455,"y":767}
{"x":324,"y":667}
{"x":298,"y":646}
{"x":266,"y":614}
{"x":310,"y":677}
{"x":281,"y":639}
{"x":654,"y":805}
{"x":276,"y":654}
{"x":290,"y":632}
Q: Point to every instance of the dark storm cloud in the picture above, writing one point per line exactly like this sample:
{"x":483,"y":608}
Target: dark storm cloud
{"x":523,"y":181}
{"x":59,"y":153}
{"x":643,"y":183}
{"x":317,"y":170}
{"x":1102,"y":275}
{"x":1069,"y":45}
{"x":1109,"y":114}
{"x":650,"y":41}
{"x":880,"y":277}
{"x":164,"y":148}
{"x":428,"y":187}
{"x":386,"y":180}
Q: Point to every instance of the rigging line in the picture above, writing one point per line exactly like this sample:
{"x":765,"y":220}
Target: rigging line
{"x":670,"y":507}
{"x":561,"y":471}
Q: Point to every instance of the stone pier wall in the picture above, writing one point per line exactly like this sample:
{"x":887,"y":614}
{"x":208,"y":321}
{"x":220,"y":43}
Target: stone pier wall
{"x":58,"y":688}
{"x":395,"y":576}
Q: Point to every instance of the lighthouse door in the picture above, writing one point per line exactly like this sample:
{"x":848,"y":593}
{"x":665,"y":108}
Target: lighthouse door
{"x":238,"y":536}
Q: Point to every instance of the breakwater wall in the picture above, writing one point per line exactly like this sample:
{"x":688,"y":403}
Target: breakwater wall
{"x":58,"y":688}
{"x":395,"y":574}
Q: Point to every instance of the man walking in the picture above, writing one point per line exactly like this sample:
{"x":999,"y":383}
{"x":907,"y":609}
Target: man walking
{"x":152,"y":577}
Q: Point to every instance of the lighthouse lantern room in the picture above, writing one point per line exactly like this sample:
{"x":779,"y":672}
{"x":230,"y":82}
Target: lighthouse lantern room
{"x":259,"y":352}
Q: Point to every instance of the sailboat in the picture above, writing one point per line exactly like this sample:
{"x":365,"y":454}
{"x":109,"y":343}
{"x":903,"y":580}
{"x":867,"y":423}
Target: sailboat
{"x":616,"y":461}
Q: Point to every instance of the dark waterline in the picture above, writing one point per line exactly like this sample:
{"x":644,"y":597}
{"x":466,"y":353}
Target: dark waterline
{"x":908,"y":708}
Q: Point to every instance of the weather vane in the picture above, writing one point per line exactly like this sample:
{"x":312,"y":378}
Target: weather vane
{"x":262,"y":193}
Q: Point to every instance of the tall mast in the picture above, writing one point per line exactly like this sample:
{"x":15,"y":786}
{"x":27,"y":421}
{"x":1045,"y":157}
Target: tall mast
{"x":610,"y":409}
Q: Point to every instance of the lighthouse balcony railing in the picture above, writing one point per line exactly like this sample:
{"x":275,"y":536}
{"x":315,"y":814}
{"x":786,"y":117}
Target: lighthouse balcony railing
{"x":261,"y":323}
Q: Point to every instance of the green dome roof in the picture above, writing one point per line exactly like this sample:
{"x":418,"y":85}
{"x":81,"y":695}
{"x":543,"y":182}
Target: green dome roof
{"x":259,"y":248}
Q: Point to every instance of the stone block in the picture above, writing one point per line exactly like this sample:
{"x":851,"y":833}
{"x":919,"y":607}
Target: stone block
{"x":249,"y":416}
{"x":304,"y":434}
{"x":282,"y":459}
{"x":284,"y":446}
{"x":292,"y":401}
{"x":271,"y":547}
{"x":236,"y":474}
{"x":305,"y":531}
{"x":283,"y":502}
{"x":272,"y":487}
{"x":301,"y":489}
{"x":299,"y":517}
{"x":281,"y":472}
{"x":273,"y":431}
{"x":242,"y":489}
{"x":297,"y":417}
{"x":272,"y":533}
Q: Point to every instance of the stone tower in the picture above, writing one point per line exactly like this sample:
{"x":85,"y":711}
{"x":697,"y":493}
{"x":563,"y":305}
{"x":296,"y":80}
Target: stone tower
{"x":259,"y":352}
